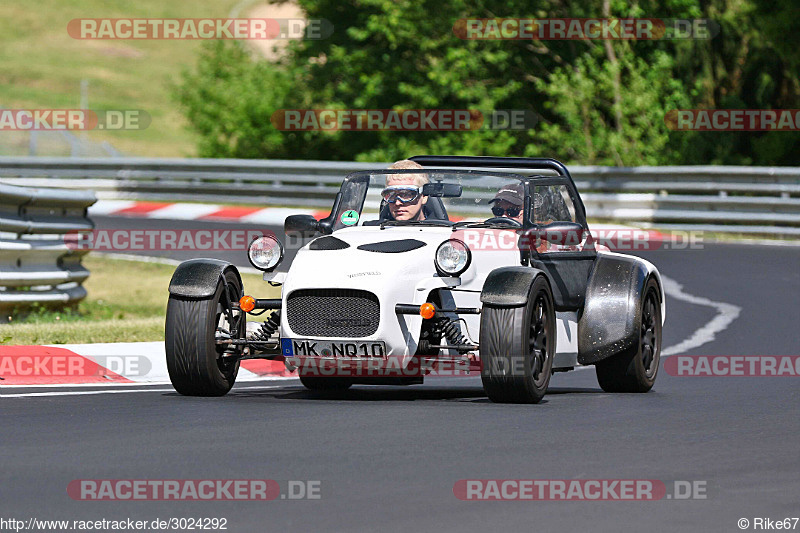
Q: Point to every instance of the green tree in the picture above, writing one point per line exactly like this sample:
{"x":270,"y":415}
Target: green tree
{"x":598,"y":102}
{"x":602,"y":122}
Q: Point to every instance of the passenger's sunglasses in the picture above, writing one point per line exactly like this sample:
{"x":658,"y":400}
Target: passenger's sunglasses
{"x":512,"y":211}
{"x":405,"y":193}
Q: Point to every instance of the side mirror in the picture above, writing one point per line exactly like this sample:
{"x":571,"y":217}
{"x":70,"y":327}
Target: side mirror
{"x":562,"y":233}
{"x":301,"y":226}
{"x":558,"y":233}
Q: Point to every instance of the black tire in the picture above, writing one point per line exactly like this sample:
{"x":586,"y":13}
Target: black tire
{"x":194,"y":360}
{"x":635,"y":369}
{"x":325,"y":383}
{"x":518,"y":345}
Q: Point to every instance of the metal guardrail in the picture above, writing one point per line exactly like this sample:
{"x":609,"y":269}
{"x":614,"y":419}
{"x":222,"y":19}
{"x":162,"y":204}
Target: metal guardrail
{"x":36,"y":264}
{"x":750,"y":200}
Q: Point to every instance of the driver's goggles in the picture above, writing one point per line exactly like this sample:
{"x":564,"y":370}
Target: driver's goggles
{"x":405,"y":193}
{"x":512,"y":211}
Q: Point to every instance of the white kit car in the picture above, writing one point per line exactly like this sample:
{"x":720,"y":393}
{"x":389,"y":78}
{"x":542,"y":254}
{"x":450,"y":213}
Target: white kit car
{"x":514,"y":294}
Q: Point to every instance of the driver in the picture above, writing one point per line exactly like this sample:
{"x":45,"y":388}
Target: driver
{"x":508,"y":202}
{"x":403,"y":192}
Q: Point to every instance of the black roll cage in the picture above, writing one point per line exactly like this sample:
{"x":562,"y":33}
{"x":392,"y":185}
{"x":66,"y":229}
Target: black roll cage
{"x":442,"y":162}
{"x":520,"y":163}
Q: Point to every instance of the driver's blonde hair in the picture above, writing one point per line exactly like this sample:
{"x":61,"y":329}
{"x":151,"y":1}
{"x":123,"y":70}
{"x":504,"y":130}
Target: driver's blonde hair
{"x":405,"y":164}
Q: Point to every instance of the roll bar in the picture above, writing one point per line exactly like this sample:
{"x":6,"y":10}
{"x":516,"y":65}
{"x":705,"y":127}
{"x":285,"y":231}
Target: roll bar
{"x":529,"y":163}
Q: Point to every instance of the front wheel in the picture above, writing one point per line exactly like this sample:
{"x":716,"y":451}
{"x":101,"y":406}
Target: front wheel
{"x":635,"y":369}
{"x":197,"y":365}
{"x":518,"y":345}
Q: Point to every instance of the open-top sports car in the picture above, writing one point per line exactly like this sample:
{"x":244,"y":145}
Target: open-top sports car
{"x":457,"y":264}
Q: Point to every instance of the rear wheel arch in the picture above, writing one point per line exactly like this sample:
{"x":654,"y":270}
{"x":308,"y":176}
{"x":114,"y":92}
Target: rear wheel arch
{"x":634,"y":369}
{"x":608,"y":321}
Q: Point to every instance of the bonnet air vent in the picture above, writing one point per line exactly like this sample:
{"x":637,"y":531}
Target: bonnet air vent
{"x":328,"y":243}
{"x":392,"y":247}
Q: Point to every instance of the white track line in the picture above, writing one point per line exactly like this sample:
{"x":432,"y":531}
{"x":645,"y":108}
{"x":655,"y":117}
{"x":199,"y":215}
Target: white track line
{"x":128,"y":384}
{"x":183,"y":211}
{"x":113,"y":391}
{"x":80,"y":393}
{"x":108,"y":207}
{"x":726,"y":314}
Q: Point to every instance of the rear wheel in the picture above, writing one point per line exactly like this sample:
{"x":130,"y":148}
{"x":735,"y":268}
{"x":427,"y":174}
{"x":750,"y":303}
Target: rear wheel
{"x":517,"y":347}
{"x":197,"y":365}
{"x":635,"y":369}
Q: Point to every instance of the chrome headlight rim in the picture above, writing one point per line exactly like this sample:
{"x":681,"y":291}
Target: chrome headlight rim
{"x":454,"y":273}
{"x":280,"y":253}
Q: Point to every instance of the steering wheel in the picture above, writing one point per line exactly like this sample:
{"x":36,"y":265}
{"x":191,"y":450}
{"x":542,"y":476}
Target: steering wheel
{"x":504,"y":220}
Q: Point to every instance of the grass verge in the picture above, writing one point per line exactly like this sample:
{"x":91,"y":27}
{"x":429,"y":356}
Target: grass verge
{"x":127,"y":302}
{"x":43,"y":67}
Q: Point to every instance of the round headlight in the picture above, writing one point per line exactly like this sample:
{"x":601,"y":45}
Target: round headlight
{"x":265,"y":252}
{"x":452,"y":257}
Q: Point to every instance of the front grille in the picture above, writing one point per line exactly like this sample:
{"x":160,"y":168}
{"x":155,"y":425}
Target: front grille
{"x":347,"y":313}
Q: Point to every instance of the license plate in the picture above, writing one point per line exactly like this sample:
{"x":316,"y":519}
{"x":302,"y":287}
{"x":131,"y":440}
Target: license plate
{"x":315,"y":348}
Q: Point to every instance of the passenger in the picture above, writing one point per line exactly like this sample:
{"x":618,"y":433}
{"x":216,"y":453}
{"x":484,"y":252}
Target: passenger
{"x":508,"y":202}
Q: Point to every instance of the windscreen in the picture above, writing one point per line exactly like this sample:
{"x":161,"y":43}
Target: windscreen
{"x":398,"y":196}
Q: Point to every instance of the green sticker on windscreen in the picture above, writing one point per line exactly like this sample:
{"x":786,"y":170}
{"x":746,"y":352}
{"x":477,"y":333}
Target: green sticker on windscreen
{"x":349,"y":217}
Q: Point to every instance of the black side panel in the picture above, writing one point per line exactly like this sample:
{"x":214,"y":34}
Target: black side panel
{"x":568,"y":277}
{"x":509,"y":286}
{"x":328,"y":243}
{"x":392,"y":247}
{"x":609,"y":323}
{"x":197,"y":278}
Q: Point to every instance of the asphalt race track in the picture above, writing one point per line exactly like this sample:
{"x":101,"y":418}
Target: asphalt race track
{"x":387,"y":458}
